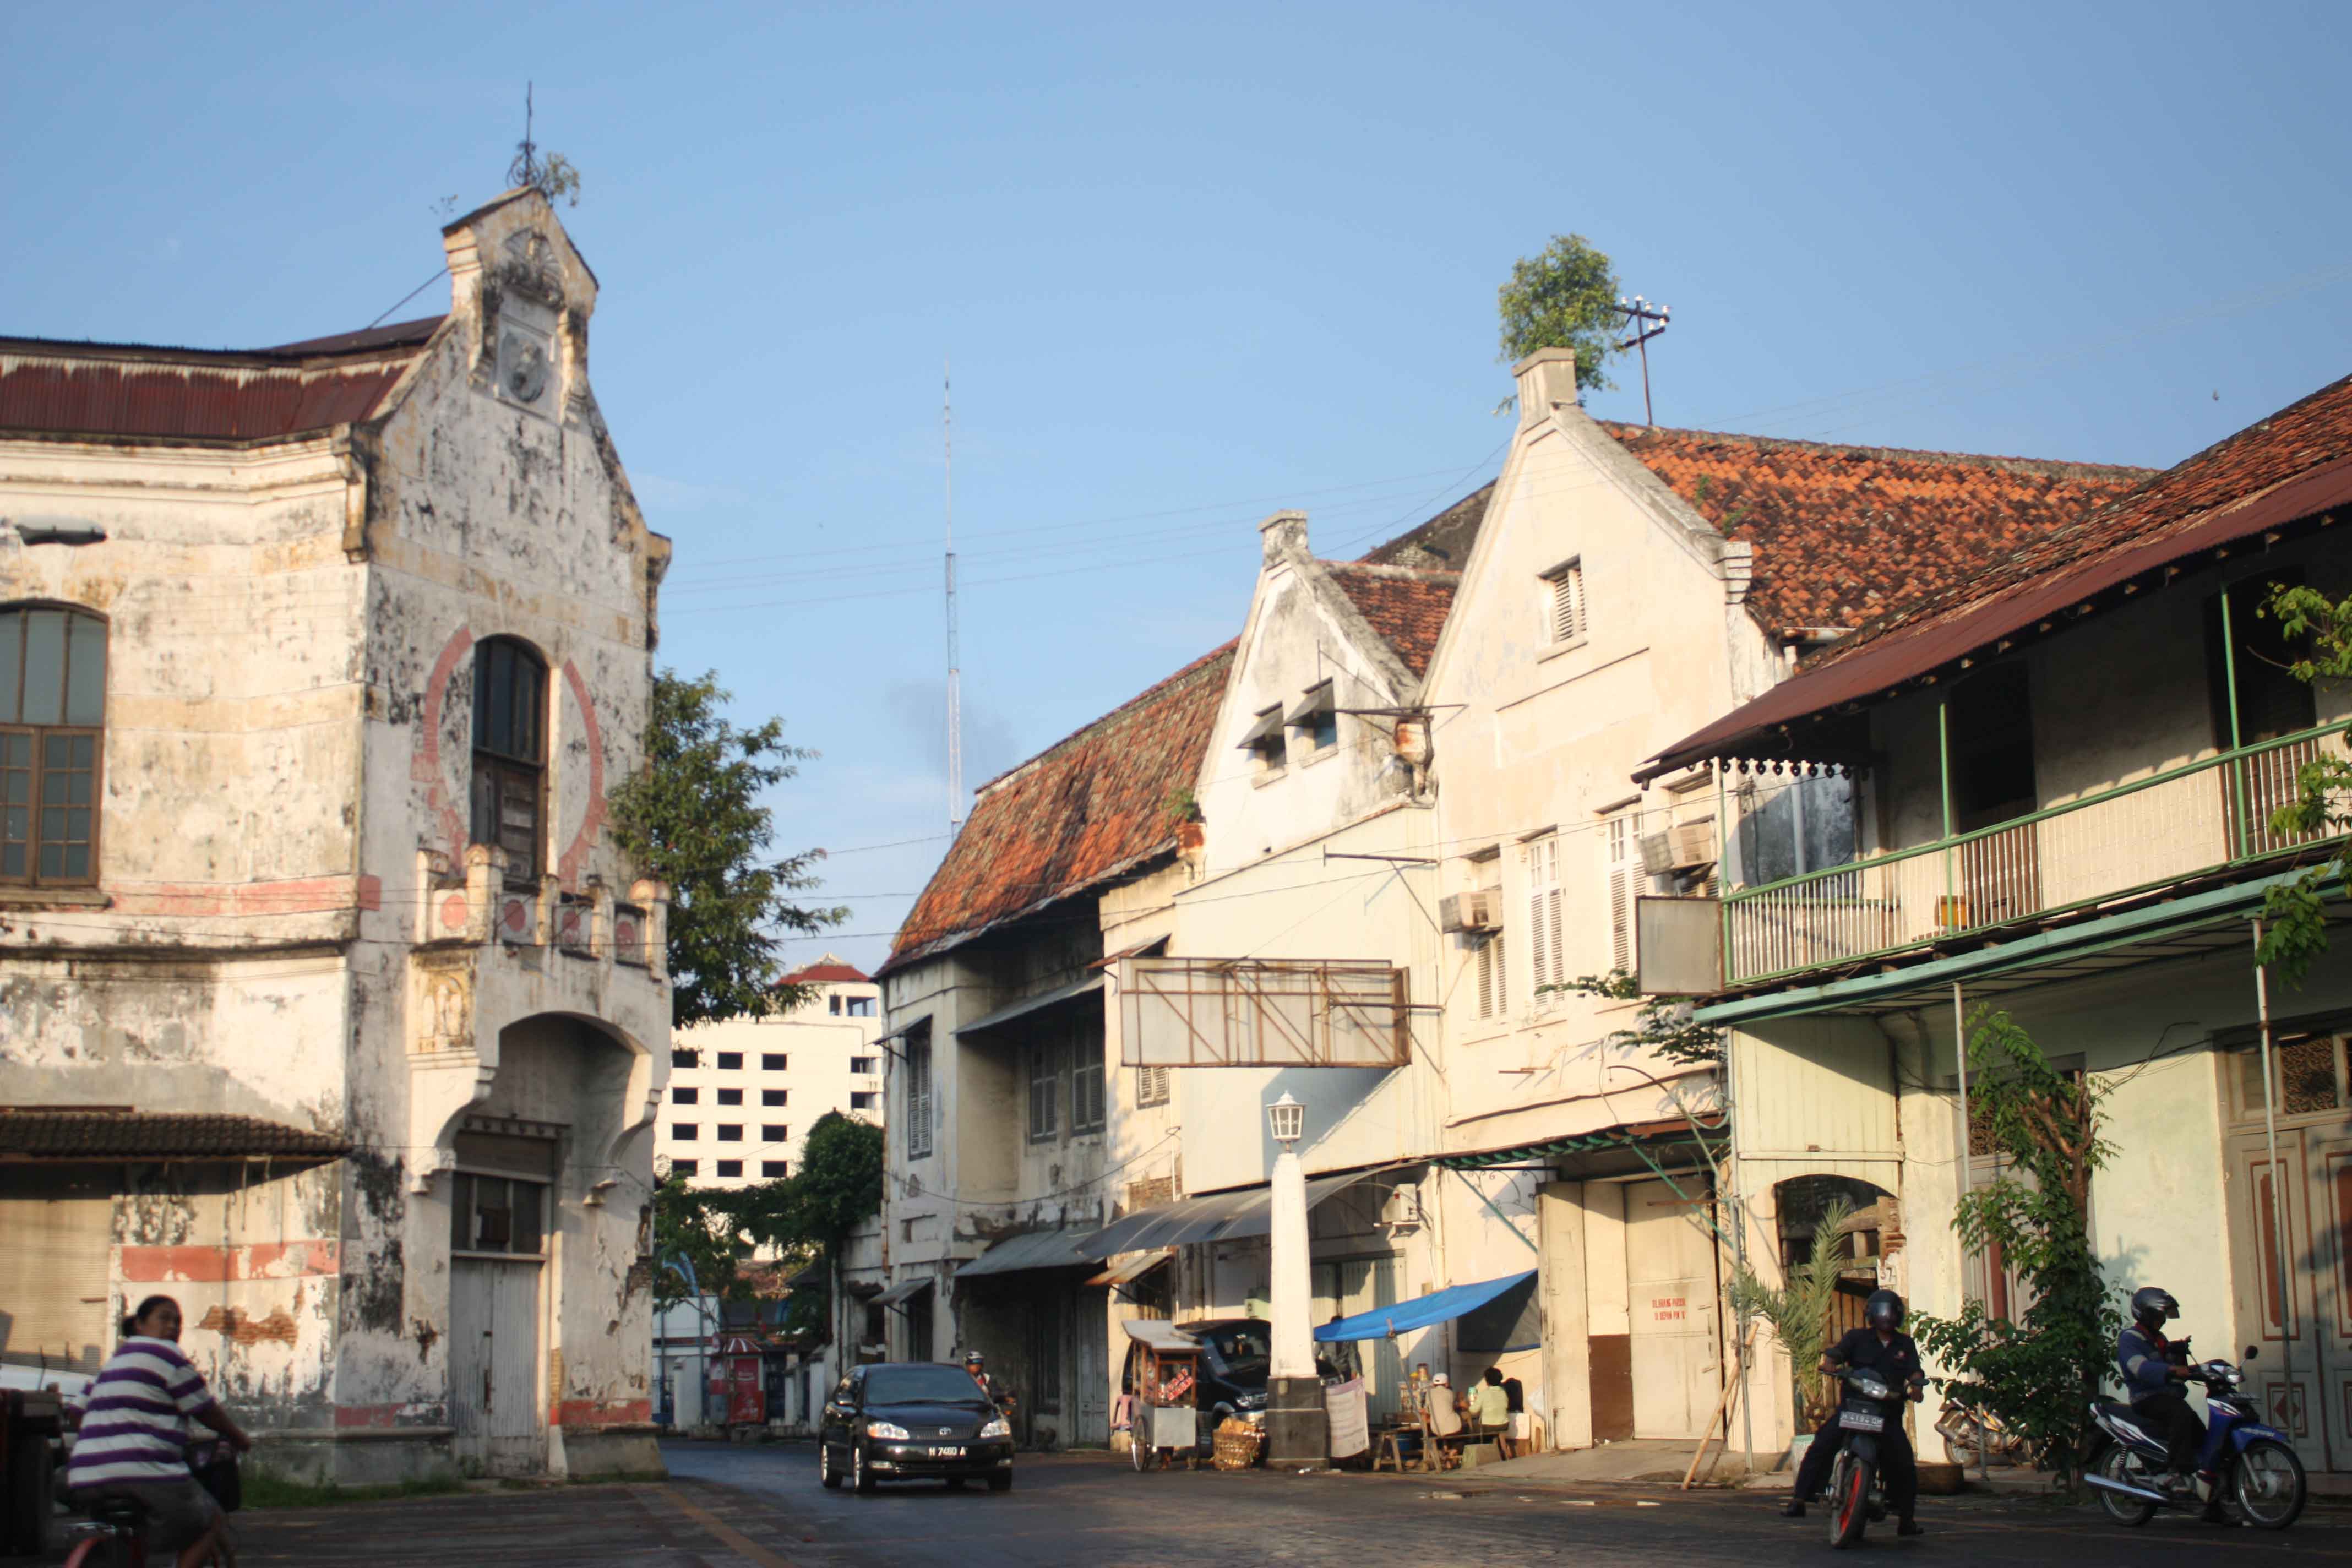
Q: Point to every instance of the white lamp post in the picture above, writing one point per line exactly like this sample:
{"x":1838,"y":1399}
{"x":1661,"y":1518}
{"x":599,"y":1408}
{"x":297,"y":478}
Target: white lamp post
{"x":1296,"y":1431}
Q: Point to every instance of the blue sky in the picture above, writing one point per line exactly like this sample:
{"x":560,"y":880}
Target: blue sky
{"x":1192,"y":268}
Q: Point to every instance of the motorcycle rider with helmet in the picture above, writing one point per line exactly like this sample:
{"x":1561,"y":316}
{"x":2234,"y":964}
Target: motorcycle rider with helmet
{"x":2154,"y":1368}
{"x":1883,"y":1348}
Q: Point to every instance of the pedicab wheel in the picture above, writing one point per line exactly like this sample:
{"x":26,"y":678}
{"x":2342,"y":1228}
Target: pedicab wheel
{"x":2269,"y":1485}
{"x":1139,"y":1451}
{"x":1849,"y":1500}
{"x":2119,"y":1465}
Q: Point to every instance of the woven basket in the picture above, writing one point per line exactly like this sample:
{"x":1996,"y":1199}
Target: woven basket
{"x":1237,"y":1450}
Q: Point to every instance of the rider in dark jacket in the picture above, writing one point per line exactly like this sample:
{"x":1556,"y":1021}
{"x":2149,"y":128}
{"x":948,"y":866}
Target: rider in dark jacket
{"x":1885,"y":1350}
{"x":2154,"y":1368}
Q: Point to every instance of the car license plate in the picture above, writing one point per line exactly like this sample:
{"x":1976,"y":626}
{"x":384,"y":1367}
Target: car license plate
{"x":1862,"y":1421}
{"x":956,"y":1453}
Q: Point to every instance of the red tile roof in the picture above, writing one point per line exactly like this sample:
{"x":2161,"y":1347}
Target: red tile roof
{"x":1085,"y":809}
{"x":2296,"y":463}
{"x":58,"y":388}
{"x":1846,"y":533}
{"x":32,"y":1132}
{"x":823,"y":973}
{"x":1406,"y":607}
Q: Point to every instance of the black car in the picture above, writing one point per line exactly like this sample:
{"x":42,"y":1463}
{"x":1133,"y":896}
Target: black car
{"x":914,"y":1420}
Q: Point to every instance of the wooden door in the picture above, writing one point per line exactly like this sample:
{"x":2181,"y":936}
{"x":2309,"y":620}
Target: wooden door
{"x":2297,"y":1347}
{"x":1670,"y":1277}
{"x":494,"y":1407}
{"x":1094,"y":1369}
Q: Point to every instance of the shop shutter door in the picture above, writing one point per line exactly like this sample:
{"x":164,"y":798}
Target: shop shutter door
{"x":55,"y":1234}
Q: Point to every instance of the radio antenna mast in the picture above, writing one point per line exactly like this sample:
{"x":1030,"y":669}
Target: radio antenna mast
{"x":955,"y":673}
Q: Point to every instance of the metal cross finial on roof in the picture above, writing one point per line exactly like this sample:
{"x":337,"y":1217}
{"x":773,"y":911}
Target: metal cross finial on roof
{"x":525,"y":170}
{"x":1646,"y":320}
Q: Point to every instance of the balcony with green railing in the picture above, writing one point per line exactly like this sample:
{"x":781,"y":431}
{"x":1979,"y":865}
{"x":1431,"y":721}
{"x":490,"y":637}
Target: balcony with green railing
{"x":2207,"y":820}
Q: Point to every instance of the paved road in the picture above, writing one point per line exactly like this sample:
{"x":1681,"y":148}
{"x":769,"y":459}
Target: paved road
{"x":1083,"y":1511}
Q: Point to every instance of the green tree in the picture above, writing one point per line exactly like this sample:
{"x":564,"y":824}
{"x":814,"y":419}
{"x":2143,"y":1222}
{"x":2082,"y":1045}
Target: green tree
{"x":2297,"y":911}
{"x":698,"y":1226}
{"x":2039,"y":1370}
{"x":1799,"y":1309}
{"x":837,"y":1188}
{"x":692,"y":818}
{"x":1565,"y":296}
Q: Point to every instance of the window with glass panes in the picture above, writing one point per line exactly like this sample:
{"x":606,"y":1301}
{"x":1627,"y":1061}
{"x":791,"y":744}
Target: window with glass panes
{"x":52,"y":724}
{"x":497,"y":1214}
{"x":509,"y":752}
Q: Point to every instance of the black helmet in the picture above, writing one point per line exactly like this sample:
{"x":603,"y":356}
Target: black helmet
{"x":2151,"y":1305}
{"x":1884,"y":1310}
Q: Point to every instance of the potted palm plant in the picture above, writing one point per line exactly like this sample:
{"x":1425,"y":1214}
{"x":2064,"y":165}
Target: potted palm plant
{"x":1798,"y":1313}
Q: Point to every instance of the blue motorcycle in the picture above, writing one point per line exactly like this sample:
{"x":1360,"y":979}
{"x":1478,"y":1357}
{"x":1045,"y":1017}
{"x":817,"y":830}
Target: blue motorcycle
{"x":2260,"y":1476}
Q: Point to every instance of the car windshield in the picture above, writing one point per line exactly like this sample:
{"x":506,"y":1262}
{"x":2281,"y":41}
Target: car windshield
{"x":1239,"y":1347}
{"x":920,"y":1385}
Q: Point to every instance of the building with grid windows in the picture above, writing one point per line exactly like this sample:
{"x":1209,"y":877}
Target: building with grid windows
{"x":744,"y":1094}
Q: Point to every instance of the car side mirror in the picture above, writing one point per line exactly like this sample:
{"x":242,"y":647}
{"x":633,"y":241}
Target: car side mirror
{"x":2253,"y":1350}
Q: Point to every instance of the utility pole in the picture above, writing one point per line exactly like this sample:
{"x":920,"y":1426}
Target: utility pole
{"x":1645,"y":321}
{"x":955,"y":673}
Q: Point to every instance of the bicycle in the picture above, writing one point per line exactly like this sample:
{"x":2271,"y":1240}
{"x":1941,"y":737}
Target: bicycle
{"x":116,"y":1536}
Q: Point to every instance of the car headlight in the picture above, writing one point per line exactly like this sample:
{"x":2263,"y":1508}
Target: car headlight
{"x":999,"y":1427}
{"x":888,"y":1431}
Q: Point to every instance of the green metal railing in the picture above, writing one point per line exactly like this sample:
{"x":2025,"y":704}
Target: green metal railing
{"x":2206,"y":817}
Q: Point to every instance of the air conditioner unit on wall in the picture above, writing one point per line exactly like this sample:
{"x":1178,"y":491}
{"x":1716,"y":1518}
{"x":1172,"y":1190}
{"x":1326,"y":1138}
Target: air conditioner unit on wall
{"x":1478,"y":909}
{"x":1693,"y":844}
{"x":1657,"y":854}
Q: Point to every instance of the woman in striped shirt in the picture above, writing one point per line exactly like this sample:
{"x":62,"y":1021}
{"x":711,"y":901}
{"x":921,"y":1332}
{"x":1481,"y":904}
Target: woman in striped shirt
{"x":134,"y":1434}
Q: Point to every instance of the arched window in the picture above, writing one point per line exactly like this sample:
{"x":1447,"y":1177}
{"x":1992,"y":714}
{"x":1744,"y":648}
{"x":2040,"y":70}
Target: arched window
{"x":52,"y":728}
{"x":510,"y":753}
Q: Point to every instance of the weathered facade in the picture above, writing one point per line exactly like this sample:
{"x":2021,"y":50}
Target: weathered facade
{"x":324,"y":661}
{"x":2064,"y":772}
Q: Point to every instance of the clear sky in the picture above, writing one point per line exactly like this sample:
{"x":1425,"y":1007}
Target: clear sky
{"x":1192,"y":267}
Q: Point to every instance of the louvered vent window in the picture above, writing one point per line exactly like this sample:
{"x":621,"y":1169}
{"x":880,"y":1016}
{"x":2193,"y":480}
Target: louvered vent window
{"x":1546,"y":966}
{"x":1151,"y":1085}
{"x":1492,"y":990}
{"x":1626,"y":880}
{"x":1564,"y":602}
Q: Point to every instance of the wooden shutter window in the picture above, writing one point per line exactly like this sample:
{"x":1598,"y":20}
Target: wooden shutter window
{"x":1567,"y":602}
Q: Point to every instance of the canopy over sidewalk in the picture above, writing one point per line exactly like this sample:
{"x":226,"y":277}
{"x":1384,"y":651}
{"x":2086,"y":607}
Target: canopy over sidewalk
{"x":1422,"y":1312}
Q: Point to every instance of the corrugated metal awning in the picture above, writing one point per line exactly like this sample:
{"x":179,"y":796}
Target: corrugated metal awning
{"x":901,"y":1291}
{"x":1037,"y":1249}
{"x":1134,"y":1269}
{"x":1028,"y":1004}
{"x":1219,"y":1216}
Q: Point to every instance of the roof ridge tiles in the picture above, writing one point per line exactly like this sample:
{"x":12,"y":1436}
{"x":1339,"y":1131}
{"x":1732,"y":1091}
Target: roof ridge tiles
{"x":1631,"y":433}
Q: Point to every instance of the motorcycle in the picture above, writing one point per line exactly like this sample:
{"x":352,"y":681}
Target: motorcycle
{"x":1974,"y":1436}
{"x":1856,"y":1492}
{"x":2260,"y":1475}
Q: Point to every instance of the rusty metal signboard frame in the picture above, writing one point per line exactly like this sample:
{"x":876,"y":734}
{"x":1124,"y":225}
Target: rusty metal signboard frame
{"x":1254,"y":1011}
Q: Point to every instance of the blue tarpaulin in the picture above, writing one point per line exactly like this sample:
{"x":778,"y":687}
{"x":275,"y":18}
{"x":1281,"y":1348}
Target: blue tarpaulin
{"x":1437,"y":1307}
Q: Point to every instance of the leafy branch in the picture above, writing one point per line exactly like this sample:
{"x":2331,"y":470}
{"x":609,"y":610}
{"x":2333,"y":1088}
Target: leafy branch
{"x":1663,"y":1027}
{"x":2297,"y":911}
{"x":1799,"y":1309}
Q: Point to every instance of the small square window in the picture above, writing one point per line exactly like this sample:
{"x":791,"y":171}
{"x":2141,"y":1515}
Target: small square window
{"x":731,"y":1061}
{"x":730,"y":1097}
{"x":686,"y":1132}
{"x":685,"y":1168}
{"x":866,"y":1064}
{"x":730,"y":1167}
{"x":683,"y":1094}
{"x":773,"y":1096}
{"x":774,"y":1132}
{"x":771,"y":1169}
{"x":773,"y":1061}
{"x":865,"y":1100}
{"x":731,"y":1133}
{"x":686,"y":1058}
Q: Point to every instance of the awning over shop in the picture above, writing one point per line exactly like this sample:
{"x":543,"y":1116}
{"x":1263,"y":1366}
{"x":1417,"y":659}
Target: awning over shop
{"x":1426,"y":1312}
{"x":1037,"y":1249}
{"x":901,"y":1291}
{"x":1219,"y":1216}
{"x":1673,"y":1128}
{"x":1134,"y":1269}
{"x":1028,"y":1004}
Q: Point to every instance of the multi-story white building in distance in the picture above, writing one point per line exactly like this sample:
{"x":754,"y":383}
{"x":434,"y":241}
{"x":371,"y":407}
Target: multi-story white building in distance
{"x":744,"y":1094}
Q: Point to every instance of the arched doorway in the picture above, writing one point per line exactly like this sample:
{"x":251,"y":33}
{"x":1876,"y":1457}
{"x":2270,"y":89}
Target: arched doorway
{"x":1865,"y":1217}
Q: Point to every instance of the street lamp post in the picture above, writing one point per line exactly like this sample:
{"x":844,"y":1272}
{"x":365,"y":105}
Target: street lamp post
{"x":1297,"y":1432}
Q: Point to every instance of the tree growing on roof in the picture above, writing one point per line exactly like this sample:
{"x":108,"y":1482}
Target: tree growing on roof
{"x":1564,"y":297}
{"x":692,"y":818}
{"x":2297,"y":911}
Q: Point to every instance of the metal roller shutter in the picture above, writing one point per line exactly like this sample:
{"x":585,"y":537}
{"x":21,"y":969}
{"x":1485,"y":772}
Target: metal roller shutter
{"x":55,"y":1235}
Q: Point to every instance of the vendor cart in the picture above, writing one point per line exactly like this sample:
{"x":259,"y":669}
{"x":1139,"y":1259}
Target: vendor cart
{"x":1165,"y":1423}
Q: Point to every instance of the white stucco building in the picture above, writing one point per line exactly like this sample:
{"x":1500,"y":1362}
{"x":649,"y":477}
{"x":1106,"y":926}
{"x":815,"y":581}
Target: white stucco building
{"x":327,"y":1003}
{"x":743,"y":1093}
